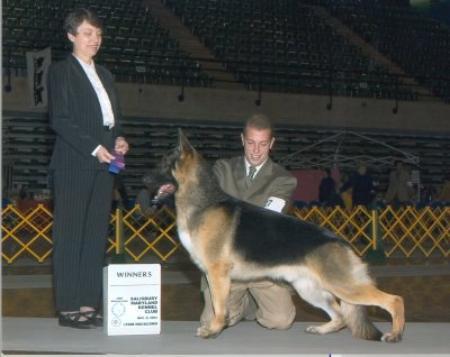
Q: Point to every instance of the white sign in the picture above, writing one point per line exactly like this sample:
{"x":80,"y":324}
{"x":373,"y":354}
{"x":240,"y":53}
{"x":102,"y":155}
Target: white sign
{"x":132,"y":299}
{"x":37,"y":68}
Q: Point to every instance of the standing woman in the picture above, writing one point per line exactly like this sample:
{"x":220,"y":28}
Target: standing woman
{"x":84,"y":113}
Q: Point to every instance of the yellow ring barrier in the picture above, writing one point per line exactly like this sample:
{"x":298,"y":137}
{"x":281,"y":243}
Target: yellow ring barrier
{"x":405,"y":232}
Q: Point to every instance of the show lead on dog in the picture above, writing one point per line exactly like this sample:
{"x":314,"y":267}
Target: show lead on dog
{"x":255,"y":178}
{"x":84,"y":113}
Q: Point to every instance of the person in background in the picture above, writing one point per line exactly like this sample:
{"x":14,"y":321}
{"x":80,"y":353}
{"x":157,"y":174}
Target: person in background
{"x":327,"y":191}
{"x":400,"y":187}
{"x":253,"y":177}
{"x":444,"y":193}
{"x":84,"y":114}
{"x":345,"y":196}
{"x":361,"y":183}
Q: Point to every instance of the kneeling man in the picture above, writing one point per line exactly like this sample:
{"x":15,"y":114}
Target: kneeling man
{"x":256,"y":179}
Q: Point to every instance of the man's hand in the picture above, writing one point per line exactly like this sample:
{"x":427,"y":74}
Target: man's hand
{"x":104,"y":155}
{"x":165,"y":190}
{"x":121,"y":145}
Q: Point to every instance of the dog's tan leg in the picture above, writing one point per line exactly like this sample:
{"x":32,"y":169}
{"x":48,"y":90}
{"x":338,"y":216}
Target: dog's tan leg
{"x":219,"y":285}
{"x":337,"y":322}
{"x":331,"y":326}
{"x":371,"y":295}
{"x":312,"y":292}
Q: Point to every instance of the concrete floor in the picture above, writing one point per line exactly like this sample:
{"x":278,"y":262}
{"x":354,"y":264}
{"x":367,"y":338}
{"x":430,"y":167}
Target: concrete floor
{"x":44,"y":336}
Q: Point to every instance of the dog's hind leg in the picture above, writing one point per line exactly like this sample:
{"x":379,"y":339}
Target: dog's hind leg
{"x":354,"y":286}
{"x":312,"y":292}
{"x":371,"y":295}
{"x":219,"y":286}
{"x":343,"y":274}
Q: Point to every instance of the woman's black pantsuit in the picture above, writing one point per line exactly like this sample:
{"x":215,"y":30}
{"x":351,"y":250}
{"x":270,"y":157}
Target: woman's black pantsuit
{"x":82,"y":185}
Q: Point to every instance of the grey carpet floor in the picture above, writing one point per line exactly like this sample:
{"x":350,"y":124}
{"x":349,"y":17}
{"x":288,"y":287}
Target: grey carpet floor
{"x":44,"y":336}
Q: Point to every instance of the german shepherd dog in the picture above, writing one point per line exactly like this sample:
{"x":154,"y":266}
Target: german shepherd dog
{"x":229,"y":239}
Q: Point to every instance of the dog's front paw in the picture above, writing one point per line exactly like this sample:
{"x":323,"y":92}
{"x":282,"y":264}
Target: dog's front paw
{"x":313,"y":329}
{"x":391,"y":337}
{"x":205,"y":332}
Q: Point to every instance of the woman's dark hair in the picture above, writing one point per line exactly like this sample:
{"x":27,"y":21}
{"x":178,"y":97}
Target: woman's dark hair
{"x":74,"y":19}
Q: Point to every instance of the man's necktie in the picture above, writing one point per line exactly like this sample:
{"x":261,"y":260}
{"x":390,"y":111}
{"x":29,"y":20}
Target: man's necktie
{"x":251,"y":172}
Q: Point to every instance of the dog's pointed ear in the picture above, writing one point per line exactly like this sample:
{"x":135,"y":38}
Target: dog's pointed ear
{"x":184,"y":146}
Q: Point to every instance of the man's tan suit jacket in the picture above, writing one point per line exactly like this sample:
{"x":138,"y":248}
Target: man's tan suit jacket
{"x":272,"y":180}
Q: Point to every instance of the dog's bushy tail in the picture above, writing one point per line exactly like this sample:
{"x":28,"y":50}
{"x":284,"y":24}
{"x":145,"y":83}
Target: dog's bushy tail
{"x":357,"y":320}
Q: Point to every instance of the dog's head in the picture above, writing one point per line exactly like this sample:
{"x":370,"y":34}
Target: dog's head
{"x":180,"y":160}
{"x":175,"y":168}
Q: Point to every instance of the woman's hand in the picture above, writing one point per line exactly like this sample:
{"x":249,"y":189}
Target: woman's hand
{"x":104,"y":155}
{"x":121,"y":146}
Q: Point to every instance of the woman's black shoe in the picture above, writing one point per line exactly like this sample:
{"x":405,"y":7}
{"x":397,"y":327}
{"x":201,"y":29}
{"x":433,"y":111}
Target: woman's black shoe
{"x":94,"y":317}
{"x":74,"y":320}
